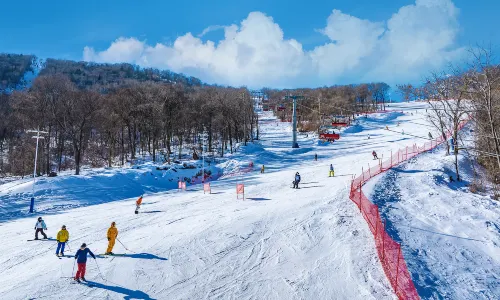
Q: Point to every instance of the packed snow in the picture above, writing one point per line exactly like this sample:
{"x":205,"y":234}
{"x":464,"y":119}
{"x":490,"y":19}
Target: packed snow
{"x":450,"y":236}
{"x":278,"y":243}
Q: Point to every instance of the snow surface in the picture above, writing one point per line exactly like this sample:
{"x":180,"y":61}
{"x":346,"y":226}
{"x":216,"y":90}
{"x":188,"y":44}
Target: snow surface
{"x":450,"y":236}
{"x":279,"y":243}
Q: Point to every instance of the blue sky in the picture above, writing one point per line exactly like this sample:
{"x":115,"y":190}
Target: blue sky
{"x":346,"y":45}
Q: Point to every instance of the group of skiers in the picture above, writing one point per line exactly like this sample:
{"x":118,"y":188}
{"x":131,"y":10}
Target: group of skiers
{"x":80,"y":255}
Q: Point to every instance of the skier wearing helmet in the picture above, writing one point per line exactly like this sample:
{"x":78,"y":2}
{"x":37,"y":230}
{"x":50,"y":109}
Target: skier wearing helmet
{"x":81,"y":259}
{"x":296,"y":181}
{"x":112,"y":234}
{"x":62,"y":238}
{"x":39,"y":227}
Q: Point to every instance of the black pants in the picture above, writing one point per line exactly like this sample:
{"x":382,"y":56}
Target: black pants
{"x":295,"y":184}
{"x":40,"y":230}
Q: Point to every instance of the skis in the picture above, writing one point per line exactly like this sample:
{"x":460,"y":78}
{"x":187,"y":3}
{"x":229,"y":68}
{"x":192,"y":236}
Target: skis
{"x":48,"y":239}
{"x":83,"y":283}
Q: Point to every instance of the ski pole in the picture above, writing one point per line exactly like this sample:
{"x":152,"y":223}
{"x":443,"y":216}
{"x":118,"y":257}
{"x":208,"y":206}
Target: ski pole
{"x":124,"y":246}
{"x":99,"y":269}
{"x":69,"y":248}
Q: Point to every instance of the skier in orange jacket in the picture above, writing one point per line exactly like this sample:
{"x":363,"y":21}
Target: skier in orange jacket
{"x":112,"y":234}
{"x":138,"y":205}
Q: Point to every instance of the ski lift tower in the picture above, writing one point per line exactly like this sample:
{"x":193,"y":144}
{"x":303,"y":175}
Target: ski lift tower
{"x":294,"y":118}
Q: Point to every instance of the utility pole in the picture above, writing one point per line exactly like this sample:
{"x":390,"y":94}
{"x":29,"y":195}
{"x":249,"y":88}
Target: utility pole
{"x":204,"y":137}
{"x":37,"y":137}
{"x":294,"y":119}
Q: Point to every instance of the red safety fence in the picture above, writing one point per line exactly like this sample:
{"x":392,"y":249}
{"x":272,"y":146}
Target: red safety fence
{"x":241,"y":171}
{"x":389,"y":251}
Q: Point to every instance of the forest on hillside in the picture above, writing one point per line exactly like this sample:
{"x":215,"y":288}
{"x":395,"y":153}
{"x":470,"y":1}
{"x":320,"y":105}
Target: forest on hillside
{"x":99,"y":115}
{"x":13,"y":67}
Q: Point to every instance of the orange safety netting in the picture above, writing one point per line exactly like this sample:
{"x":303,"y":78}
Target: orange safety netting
{"x":389,"y":251}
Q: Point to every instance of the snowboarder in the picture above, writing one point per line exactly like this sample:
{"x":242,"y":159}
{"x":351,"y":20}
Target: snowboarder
{"x":296,"y":181}
{"x":375,"y":156}
{"x":39,"y":227}
{"x":81,"y":260}
{"x":315,"y":156}
{"x":138,"y":205}
{"x":262,"y":169}
{"x":332,"y":171}
{"x":62,"y":239}
{"x":112,"y":234}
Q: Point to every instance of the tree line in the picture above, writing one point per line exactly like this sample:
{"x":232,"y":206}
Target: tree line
{"x":109,"y":124}
{"x":472,"y":93}
{"x":319,"y":104}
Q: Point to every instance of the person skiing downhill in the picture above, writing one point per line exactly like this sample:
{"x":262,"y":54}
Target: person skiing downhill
{"x":112,"y":234}
{"x":262,"y":169}
{"x":374,"y":155}
{"x":62,"y":239}
{"x":138,"y":205}
{"x":39,"y":227}
{"x":332,"y":171}
{"x":81,"y":260}
{"x":296,"y":181}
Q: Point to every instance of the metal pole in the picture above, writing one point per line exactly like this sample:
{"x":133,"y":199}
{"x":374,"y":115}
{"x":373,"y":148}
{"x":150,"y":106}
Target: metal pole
{"x":203,"y":158}
{"x":32,"y":202}
{"x":294,"y":124}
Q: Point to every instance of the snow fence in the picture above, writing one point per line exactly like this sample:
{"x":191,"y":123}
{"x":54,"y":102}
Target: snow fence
{"x":389,"y":251}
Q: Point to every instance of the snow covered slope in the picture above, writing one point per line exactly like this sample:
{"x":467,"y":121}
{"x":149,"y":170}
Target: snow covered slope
{"x":280,"y":243}
{"x":450,"y":237}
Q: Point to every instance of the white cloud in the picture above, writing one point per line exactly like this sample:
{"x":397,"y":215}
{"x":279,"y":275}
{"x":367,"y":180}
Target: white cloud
{"x":414,"y":40}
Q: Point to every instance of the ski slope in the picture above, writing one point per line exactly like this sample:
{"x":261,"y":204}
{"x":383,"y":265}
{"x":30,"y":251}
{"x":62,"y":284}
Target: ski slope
{"x":279,"y":243}
{"x":451,"y":237}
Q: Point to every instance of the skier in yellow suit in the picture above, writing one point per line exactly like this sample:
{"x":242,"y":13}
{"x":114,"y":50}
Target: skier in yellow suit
{"x":112,"y":234}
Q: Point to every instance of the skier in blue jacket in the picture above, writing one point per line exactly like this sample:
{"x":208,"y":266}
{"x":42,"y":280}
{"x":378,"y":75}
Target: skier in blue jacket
{"x":81,"y":259}
{"x":39,"y":227}
{"x":296,"y":181}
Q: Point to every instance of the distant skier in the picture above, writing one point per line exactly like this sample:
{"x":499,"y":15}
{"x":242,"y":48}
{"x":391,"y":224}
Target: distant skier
{"x":296,"y":181}
{"x":40,"y":227}
{"x":62,"y":239}
{"x":315,"y":156}
{"x":375,"y":156}
{"x":386,"y":128}
{"x":112,"y":234}
{"x":262,"y":169}
{"x":81,"y":260}
{"x":138,"y":205}
{"x":332,"y":171}
{"x":368,"y":136}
